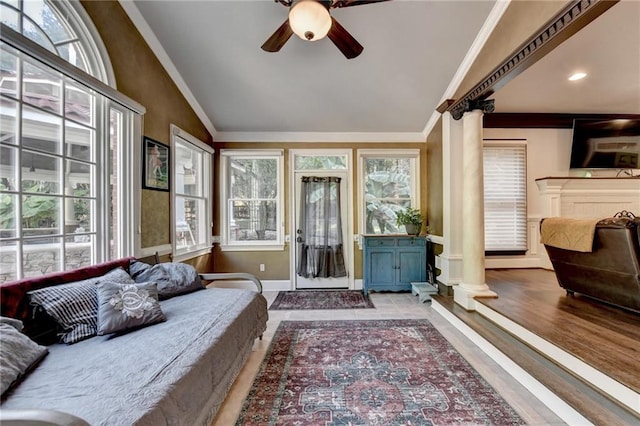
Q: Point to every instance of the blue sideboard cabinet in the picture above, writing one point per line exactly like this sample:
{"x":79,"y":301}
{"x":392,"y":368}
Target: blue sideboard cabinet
{"x":392,"y":262}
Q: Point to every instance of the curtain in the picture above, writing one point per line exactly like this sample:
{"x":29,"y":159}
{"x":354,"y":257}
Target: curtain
{"x":319,"y":237}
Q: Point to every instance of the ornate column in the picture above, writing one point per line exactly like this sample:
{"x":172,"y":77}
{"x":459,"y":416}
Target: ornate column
{"x":473,"y":277}
{"x":451,"y":256}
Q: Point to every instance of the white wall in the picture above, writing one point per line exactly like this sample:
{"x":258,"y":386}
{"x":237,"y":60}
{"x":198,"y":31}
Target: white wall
{"x":548,"y":154}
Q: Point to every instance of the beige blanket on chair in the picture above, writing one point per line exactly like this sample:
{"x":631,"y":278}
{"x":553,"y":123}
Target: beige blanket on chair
{"x":569,"y":234}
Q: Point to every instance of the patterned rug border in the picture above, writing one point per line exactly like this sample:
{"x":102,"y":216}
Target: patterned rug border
{"x":282,"y":301}
{"x":287,"y":326}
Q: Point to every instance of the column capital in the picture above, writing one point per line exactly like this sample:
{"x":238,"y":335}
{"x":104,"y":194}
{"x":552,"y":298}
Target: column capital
{"x":486,"y":106}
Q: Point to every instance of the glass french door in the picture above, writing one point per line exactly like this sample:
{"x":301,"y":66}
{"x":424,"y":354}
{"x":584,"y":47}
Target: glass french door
{"x":320,"y":282}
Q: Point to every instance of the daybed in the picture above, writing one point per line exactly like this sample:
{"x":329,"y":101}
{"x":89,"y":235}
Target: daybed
{"x":176,"y":371}
{"x":608,"y":269}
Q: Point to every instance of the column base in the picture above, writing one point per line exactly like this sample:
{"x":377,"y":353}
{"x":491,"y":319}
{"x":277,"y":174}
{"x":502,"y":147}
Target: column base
{"x":465,"y":297}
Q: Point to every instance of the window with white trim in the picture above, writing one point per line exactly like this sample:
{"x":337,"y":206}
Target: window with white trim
{"x":388,"y":183}
{"x":66,"y":146}
{"x":60,"y":26}
{"x":252,"y":202}
{"x":505,"y":197}
{"x":192,"y":195}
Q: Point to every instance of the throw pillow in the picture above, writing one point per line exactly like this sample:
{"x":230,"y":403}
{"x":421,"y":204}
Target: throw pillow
{"x":172,"y":278}
{"x":18,"y":354}
{"x":15,"y":323}
{"x":137,"y":267}
{"x":74,"y":306}
{"x":125,"y":306}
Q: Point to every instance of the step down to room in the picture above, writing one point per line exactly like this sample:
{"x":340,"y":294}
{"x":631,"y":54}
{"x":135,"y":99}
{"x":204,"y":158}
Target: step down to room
{"x":592,"y":403}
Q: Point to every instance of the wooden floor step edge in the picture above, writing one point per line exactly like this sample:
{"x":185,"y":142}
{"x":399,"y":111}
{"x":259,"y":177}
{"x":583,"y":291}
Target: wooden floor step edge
{"x":583,"y":397}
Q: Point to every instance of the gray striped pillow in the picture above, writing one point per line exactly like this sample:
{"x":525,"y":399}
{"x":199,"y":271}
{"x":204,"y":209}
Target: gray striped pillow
{"x":74,"y":306}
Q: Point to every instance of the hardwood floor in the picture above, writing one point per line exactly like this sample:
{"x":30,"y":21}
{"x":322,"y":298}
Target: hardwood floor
{"x":605,"y":337}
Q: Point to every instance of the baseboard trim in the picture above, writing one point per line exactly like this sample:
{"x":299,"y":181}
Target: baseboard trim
{"x":357,"y":284}
{"x":514,"y":263}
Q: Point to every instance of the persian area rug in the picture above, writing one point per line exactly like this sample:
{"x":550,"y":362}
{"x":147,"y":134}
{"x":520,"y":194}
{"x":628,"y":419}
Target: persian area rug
{"x":316,"y":299}
{"x":380,"y":372}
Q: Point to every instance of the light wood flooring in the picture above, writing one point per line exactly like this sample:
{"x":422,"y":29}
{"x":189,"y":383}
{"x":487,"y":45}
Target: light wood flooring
{"x":393,"y":306}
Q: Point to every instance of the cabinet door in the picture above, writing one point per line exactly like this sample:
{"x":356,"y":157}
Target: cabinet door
{"x":381,"y":268}
{"x":412,"y":266}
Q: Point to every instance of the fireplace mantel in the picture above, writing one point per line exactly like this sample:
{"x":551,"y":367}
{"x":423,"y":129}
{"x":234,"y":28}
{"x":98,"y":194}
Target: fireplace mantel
{"x":583,"y":198}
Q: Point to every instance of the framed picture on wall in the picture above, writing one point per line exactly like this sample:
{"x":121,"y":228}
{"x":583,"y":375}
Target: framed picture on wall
{"x":155,"y":165}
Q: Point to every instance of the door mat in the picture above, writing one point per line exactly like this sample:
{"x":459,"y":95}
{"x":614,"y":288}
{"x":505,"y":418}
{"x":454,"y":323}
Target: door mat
{"x":317,"y":299}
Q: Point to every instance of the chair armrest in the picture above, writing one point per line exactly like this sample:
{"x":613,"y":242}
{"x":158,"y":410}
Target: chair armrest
{"x":39,"y":418}
{"x":232,"y":276}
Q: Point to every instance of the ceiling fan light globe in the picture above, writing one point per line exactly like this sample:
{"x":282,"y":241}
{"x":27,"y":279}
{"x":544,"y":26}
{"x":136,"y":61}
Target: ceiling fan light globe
{"x":309,"y":20}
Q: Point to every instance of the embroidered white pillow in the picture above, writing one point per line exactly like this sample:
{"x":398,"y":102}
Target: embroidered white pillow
{"x":126,"y":306}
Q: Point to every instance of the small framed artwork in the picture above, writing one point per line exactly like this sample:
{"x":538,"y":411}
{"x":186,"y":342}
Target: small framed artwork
{"x":155,"y":165}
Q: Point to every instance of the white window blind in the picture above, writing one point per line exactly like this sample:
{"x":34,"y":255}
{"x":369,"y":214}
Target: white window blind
{"x":505,"y":197}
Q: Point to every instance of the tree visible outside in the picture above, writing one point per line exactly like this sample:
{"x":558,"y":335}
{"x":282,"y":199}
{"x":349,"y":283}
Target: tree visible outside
{"x":40,"y":211}
{"x":387,"y":191}
{"x":254,"y":191}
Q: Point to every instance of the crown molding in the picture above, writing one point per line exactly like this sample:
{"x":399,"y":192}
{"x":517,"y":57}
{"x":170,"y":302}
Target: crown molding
{"x":571,"y":19}
{"x":522,"y":120}
{"x":476,"y":47}
{"x":154,"y":44}
{"x":331,"y":137}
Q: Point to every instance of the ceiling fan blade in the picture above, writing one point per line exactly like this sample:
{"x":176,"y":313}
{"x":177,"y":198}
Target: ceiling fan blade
{"x":344,"y":41}
{"x":279,"y":38}
{"x":347,"y":3}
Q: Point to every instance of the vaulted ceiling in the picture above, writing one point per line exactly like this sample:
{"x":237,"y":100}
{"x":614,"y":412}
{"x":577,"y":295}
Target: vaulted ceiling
{"x":412,"y":50}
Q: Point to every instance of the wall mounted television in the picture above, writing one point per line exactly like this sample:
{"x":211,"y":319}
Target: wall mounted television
{"x":605,"y":144}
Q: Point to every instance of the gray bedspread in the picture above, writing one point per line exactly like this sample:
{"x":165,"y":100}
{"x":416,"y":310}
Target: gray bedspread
{"x":175,"y":372}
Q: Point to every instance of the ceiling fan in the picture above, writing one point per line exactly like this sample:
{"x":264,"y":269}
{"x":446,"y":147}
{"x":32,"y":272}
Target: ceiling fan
{"x":311,"y":21}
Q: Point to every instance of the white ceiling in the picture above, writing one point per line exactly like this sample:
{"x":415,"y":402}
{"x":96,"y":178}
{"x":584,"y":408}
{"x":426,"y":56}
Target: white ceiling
{"x":412,"y":51}
{"x":608,"y":50}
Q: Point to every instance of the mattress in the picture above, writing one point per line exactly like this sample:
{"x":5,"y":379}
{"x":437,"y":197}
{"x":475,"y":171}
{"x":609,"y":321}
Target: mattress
{"x":175,"y":372}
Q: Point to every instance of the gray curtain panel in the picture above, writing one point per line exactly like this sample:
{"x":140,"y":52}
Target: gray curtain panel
{"x":319,"y":238}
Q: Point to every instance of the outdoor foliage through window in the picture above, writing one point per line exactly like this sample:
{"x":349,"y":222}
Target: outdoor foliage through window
{"x":387,"y":190}
{"x":253,"y":199}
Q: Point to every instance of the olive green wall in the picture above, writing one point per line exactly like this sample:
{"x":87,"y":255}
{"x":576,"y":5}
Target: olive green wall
{"x":140,"y":75}
{"x":278,"y":262}
{"x":434,"y":180}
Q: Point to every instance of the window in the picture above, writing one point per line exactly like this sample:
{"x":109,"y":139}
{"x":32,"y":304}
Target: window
{"x":388,"y":183}
{"x":61,"y":27}
{"x":66,"y":140}
{"x":252,"y":196}
{"x":505,"y":198}
{"x":192,"y":188}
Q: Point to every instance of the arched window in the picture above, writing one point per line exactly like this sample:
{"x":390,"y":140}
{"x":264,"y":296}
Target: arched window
{"x":67,"y":143}
{"x":64,"y":29}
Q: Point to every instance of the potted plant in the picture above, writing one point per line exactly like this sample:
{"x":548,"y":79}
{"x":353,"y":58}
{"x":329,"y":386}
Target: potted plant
{"x":412,"y":220}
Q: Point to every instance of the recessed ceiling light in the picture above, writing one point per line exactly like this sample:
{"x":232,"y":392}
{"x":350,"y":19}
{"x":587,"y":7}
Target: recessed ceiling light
{"x":577,"y":76}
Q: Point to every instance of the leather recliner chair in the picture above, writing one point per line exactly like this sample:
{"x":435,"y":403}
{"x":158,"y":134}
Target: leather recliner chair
{"x":611,"y":272}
